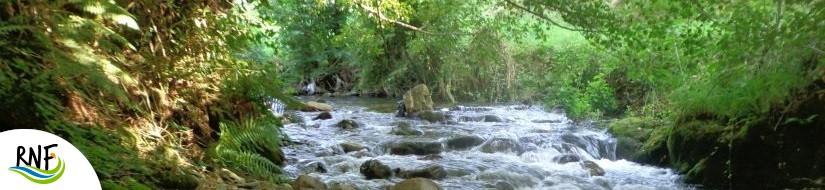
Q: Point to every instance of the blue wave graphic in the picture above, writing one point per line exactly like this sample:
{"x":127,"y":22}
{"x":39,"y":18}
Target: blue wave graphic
{"x":31,"y":172}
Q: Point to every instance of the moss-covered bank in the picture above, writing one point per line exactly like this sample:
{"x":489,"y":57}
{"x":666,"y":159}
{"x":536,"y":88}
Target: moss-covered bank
{"x":783,"y":149}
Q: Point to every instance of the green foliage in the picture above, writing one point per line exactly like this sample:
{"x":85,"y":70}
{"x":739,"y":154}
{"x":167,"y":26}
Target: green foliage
{"x":103,"y":73}
{"x":346,"y":46}
{"x":577,"y":82}
{"x":725,"y":59}
{"x":117,"y":163}
{"x":242,"y":146}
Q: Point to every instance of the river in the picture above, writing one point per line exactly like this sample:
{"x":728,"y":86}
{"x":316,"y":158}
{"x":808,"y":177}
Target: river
{"x":529,"y":148}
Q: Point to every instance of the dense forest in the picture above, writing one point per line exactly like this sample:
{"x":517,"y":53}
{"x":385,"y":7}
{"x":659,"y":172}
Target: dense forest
{"x":178,"y":94}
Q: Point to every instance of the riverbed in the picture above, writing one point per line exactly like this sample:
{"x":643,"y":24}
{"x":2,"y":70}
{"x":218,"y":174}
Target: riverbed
{"x":521,"y":147}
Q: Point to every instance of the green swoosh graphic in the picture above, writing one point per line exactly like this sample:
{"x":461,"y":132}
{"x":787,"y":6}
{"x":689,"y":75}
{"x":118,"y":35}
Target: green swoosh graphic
{"x":45,"y":181}
{"x":52,"y":171}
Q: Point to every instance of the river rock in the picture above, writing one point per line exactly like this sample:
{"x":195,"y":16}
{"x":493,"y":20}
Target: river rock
{"x":312,"y":166}
{"x":430,"y":172}
{"x":342,"y":187}
{"x":416,"y":184}
{"x":505,"y":145}
{"x":347,"y":124}
{"x":431,"y":116}
{"x":361,"y":154}
{"x":415,"y":147}
{"x":593,"y":168}
{"x":329,"y":151}
{"x":631,"y":134}
{"x":374,"y":169}
{"x":492,"y":118}
{"x":471,"y":119}
{"x":305,"y":182}
{"x":567,"y":158}
{"x":404,"y":129}
{"x":418,"y":99}
{"x":519,"y":180}
{"x":316,"y":106}
{"x":323,"y":116}
{"x":269,"y":185}
{"x":351,"y":146}
{"x":464,"y":142}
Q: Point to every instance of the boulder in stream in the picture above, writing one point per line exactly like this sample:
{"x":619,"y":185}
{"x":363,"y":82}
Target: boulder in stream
{"x":492,"y":118}
{"x":593,"y":168}
{"x":351,"y":147}
{"x":518,"y":180}
{"x":505,"y":145}
{"x":415,"y":147}
{"x":374,"y":169}
{"x":431,"y":116}
{"x":323,"y":116}
{"x":430,"y":172}
{"x":416,"y":184}
{"x":305,"y":182}
{"x":418,"y":99}
{"x":347,"y":124}
{"x":316,"y":106}
{"x":312,"y":166}
{"x":405,"y":129}
{"x":464,"y":142}
{"x":342,"y":187}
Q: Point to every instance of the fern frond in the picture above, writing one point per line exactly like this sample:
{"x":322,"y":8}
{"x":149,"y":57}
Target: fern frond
{"x":239,"y":145}
{"x":13,"y":28}
{"x":248,"y":161}
{"x":109,"y":10}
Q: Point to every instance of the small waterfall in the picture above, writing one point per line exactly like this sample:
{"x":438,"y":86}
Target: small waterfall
{"x":276,"y":106}
{"x":310,"y":88}
{"x":595,"y":145}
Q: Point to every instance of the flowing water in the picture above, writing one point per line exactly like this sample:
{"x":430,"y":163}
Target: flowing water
{"x":548,"y":152}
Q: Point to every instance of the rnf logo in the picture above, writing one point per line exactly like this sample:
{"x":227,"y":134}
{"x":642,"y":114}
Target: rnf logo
{"x":32,"y":169}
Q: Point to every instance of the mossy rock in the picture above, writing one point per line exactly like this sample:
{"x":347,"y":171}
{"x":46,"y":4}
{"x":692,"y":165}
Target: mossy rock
{"x":634,"y":127}
{"x":305,"y":182}
{"x":415,"y":147}
{"x":416,"y":184}
{"x":688,"y":143}
{"x":170,"y":180}
{"x":654,"y":150}
{"x":418,"y":99}
{"x":696,"y":148}
{"x":405,"y":129}
{"x":347,"y":124}
{"x":631,"y":134}
{"x":431,"y":116}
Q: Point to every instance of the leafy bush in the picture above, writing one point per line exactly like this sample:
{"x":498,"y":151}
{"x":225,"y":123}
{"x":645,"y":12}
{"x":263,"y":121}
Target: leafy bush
{"x":578,"y":82}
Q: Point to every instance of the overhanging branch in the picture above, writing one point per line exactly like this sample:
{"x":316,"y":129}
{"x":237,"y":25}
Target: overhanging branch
{"x":402,"y":24}
{"x":542,"y":16}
